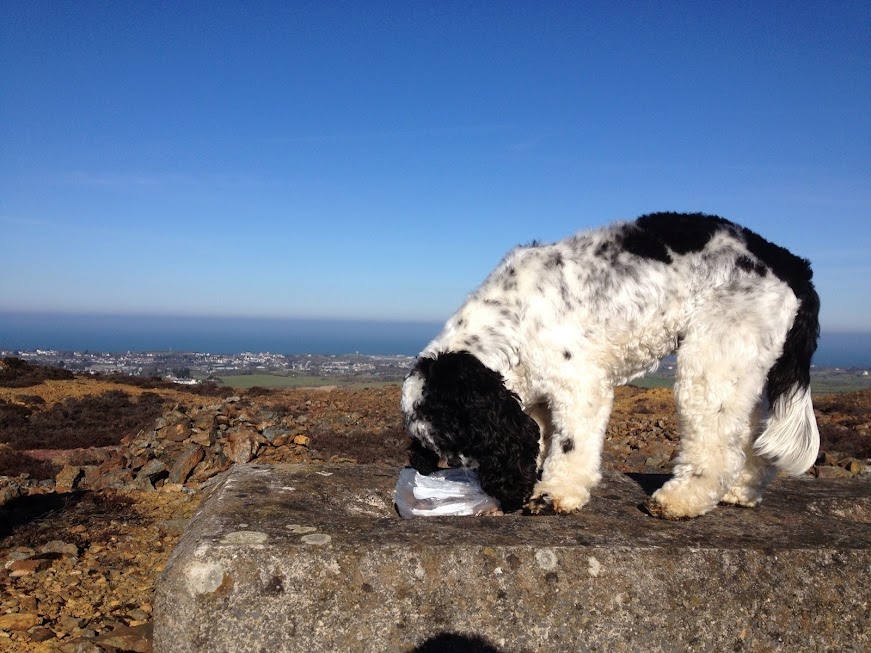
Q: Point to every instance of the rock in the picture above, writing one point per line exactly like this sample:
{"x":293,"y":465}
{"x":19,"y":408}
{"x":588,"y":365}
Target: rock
{"x":70,"y":624}
{"x":80,"y":646}
{"x":659,"y":461}
{"x":831,"y":457}
{"x":128,"y":638}
{"x":855,"y":467}
{"x":635,"y":459}
{"x":211,"y":465}
{"x":138,"y":614}
{"x":12,"y":487}
{"x":175,"y":526}
{"x":242,"y":446}
{"x":28,"y":604}
{"x":826,"y":471}
{"x":302,"y":440}
{"x":337,"y":544}
{"x":66,"y":478}
{"x":20,"y":553}
{"x":185,"y":463}
{"x":282,"y":440}
{"x":273,"y":432}
{"x":204,"y":438}
{"x":152,"y":470}
{"x":136,"y":460}
{"x":106,"y":479}
{"x":18,"y":622}
{"x":177,"y":432}
{"x":41,"y":634}
{"x":59,"y":546}
{"x":205,"y":422}
{"x":28,"y":567}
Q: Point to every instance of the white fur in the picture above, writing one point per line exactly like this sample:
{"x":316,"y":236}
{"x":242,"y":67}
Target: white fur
{"x":791,"y":438}
{"x":564,"y":335}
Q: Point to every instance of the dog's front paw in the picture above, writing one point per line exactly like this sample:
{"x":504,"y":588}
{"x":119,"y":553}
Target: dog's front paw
{"x":541,"y":504}
{"x":546,"y":502}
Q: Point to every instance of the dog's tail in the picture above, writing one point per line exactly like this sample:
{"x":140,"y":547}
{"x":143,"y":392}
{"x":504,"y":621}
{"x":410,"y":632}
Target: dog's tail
{"x":791,"y":439}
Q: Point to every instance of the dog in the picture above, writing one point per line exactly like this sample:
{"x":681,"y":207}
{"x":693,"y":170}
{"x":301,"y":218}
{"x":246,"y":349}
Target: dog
{"x":520,"y":382}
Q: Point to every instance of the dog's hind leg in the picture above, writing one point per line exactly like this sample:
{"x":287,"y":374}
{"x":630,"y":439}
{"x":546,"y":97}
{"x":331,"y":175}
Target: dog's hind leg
{"x":721,"y":374}
{"x":757,"y":472}
{"x":572,"y":465}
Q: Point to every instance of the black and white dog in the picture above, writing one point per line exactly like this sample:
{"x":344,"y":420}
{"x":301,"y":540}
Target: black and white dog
{"x":520,"y":381}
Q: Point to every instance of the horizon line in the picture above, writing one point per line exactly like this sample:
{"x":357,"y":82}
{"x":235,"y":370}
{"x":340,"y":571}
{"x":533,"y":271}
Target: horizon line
{"x":220,"y":316}
{"x":299,"y":318}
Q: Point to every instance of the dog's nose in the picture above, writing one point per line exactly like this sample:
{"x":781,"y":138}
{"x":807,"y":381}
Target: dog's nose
{"x":453,"y":460}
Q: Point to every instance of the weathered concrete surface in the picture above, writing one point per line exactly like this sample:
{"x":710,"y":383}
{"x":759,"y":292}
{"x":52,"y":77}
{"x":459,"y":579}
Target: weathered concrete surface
{"x":313,"y":558}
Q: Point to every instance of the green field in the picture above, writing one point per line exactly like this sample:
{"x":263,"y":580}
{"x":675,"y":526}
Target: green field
{"x":271,"y":381}
{"x":822,"y":386}
{"x":822,"y":382}
{"x":652,"y":381}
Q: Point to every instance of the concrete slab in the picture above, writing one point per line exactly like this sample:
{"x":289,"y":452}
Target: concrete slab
{"x":314,"y":558}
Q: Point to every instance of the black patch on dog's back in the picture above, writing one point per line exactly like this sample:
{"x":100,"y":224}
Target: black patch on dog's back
{"x":652,"y":236}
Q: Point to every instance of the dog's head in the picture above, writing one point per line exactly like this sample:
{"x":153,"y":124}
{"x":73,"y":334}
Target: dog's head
{"x":457,"y":408}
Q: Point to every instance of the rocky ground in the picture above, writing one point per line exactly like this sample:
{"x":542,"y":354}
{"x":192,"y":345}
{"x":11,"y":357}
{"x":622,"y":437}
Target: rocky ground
{"x":87,"y":524}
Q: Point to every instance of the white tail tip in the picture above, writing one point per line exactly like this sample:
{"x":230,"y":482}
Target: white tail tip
{"x":791,"y":439}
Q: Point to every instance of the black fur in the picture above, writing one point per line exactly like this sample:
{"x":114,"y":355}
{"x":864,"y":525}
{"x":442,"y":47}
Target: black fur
{"x":749,"y":264}
{"x":792,"y":371}
{"x":682,"y":233}
{"x":472,"y":413}
{"x":422,"y":459}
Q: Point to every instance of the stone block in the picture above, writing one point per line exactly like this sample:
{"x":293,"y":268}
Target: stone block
{"x":314,"y":558}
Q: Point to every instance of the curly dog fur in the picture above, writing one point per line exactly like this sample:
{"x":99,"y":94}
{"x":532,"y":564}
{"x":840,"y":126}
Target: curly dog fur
{"x":519,"y":383}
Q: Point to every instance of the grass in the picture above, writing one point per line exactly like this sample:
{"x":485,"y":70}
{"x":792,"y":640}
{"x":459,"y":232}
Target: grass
{"x":245,"y":381}
{"x":821,"y":383}
{"x":272,"y":381}
{"x":652,"y":382}
{"x":819,"y":387}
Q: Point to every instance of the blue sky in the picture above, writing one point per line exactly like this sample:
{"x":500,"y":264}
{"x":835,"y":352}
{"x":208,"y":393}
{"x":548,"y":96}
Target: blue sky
{"x":377,"y":159}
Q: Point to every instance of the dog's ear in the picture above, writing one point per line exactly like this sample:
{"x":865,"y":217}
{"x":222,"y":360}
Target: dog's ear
{"x":474,"y":414}
{"x":508,"y":452}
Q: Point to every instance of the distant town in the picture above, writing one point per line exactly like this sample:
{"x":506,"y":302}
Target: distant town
{"x":195,"y":367}
{"x":266,"y":369}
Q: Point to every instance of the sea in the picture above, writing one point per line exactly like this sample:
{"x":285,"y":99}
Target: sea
{"x":224,"y":335}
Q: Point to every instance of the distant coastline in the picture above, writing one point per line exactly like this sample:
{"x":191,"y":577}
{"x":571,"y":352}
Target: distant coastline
{"x":219,"y":335}
{"x":117,"y":333}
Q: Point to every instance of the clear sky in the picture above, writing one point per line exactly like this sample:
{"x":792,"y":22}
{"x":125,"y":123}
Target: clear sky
{"x":377,"y":159}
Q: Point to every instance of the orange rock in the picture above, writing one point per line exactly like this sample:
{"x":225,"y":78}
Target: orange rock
{"x":19,"y":621}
